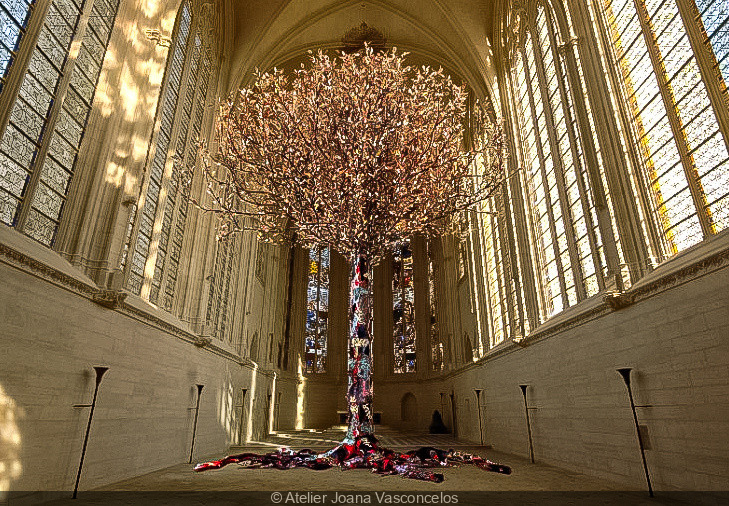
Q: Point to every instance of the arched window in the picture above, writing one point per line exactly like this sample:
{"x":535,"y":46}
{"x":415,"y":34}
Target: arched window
{"x":403,"y":308}
{"x":436,"y":342}
{"x":223,"y":288}
{"x":673,"y":63}
{"x":43,"y":127}
{"x":563,"y":226}
{"x":493,"y":264}
{"x":157,"y":226}
{"x":317,"y":311}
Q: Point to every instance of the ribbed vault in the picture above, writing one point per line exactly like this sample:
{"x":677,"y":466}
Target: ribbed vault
{"x":447,"y":33}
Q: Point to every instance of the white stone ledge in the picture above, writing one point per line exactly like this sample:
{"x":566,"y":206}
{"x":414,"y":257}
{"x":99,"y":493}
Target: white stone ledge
{"x":17,"y":248}
{"x":696,"y":262}
{"x":25,"y":254}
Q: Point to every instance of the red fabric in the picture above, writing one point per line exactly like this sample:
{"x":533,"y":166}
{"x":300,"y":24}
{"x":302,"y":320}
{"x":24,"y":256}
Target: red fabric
{"x":365,"y":453}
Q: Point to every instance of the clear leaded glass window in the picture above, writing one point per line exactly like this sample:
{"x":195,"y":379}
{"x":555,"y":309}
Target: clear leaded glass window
{"x":222,"y":287}
{"x":14,"y":15}
{"x":561,"y":218}
{"x":317,"y":311}
{"x":403,"y":308}
{"x":672,"y":98}
{"x":168,"y":104}
{"x":156,"y":230}
{"x":41,"y":140}
{"x":715,"y":18}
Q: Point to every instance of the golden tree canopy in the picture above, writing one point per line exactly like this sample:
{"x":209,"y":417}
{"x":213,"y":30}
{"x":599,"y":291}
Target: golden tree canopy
{"x":358,"y":151}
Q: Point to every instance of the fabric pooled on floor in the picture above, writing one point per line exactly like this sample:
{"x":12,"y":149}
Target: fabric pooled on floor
{"x":364,"y":453}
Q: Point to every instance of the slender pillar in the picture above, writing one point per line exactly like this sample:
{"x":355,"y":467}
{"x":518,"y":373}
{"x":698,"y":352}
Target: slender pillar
{"x":99,"y":374}
{"x":625,"y":373}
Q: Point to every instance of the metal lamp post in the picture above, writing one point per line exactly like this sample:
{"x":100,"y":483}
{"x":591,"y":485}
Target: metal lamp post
{"x":625,"y":373}
{"x":194,"y":425}
{"x":244,"y":391}
{"x":478,"y":403}
{"x":100,"y":370}
{"x":528,"y":421}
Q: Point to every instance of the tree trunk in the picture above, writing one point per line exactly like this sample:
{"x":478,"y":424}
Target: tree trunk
{"x":359,"y":363}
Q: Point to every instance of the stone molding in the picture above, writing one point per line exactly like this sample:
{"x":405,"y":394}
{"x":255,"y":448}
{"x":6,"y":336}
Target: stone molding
{"x":115,"y":300}
{"x":694,"y":263}
{"x":111,"y":299}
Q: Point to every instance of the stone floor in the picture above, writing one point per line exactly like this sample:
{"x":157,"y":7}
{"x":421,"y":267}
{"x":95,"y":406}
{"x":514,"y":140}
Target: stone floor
{"x":528,"y":484}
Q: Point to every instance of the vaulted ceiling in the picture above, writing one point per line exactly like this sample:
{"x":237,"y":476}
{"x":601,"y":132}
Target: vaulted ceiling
{"x":447,"y":33}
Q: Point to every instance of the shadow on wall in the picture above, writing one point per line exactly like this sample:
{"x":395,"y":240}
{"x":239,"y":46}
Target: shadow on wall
{"x":10,"y":466}
{"x":408,"y":411}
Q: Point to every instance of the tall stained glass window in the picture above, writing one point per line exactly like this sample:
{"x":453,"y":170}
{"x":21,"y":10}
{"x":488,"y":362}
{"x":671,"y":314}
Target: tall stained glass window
{"x":494,"y":278}
{"x":715,"y":18}
{"x":403,"y":308}
{"x":222,"y":288}
{"x":14,"y":16}
{"x":436,"y":343}
{"x":317,"y":311}
{"x":168,"y":105}
{"x":47,"y":121}
{"x":156,"y":230}
{"x":561,"y":216}
{"x":674,"y":110}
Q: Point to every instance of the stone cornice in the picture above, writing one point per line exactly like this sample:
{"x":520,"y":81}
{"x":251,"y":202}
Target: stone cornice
{"x":705,"y":258}
{"x":23,"y":254}
{"x":21,"y":261}
{"x":694,"y":263}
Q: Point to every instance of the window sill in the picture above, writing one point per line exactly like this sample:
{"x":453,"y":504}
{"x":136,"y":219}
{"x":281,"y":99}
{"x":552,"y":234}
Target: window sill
{"x":25,"y":254}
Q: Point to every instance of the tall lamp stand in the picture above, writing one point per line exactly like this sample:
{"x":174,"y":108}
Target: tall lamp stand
{"x":99,"y":374}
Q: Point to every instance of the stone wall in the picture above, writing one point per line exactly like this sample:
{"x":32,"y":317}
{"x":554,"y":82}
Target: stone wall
{"x":54,"y":333}
{"x":674,"y":336}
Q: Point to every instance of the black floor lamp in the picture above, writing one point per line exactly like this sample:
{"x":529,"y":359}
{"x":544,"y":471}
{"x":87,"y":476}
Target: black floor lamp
{"x":194,"y":424}
{"x":99,"y":374}
{"x":625,"y":373}
{"x":478,"y":403}
{"x":528,"y":421}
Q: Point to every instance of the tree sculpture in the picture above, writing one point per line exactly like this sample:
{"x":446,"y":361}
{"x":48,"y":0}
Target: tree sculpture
{"x":359,"y":152}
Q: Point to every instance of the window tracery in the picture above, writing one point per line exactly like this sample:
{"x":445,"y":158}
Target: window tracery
{"x":562,"y":221}
{"x":669,"y":96}
{"x":39,"y":146}
{"x":156,"y":230}
{"x":317,"y":311}
{"x":436,"y":342}
{"x":403,"y":308}
{"x":223,"y":288}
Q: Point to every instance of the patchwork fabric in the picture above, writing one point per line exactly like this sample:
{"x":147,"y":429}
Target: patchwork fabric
{"x":364,"y":453}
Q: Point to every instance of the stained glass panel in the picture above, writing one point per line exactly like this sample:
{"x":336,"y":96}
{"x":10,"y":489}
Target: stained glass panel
{"x":675,"y":206}
{"x":181,"y":220}
{"x":173,"y":185}
{"x":715,"y":17}
{"x":403,"y":308}
{"x":219,"y":303}
{"x":167,"y":112}
{"x":317,"y":311}
{"x":14,"y":15}
{"x":436,"y":342}
{"x":28,"y":118}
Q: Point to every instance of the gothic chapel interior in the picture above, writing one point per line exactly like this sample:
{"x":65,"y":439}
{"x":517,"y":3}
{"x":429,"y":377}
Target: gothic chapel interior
{"x":604,"y":247}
